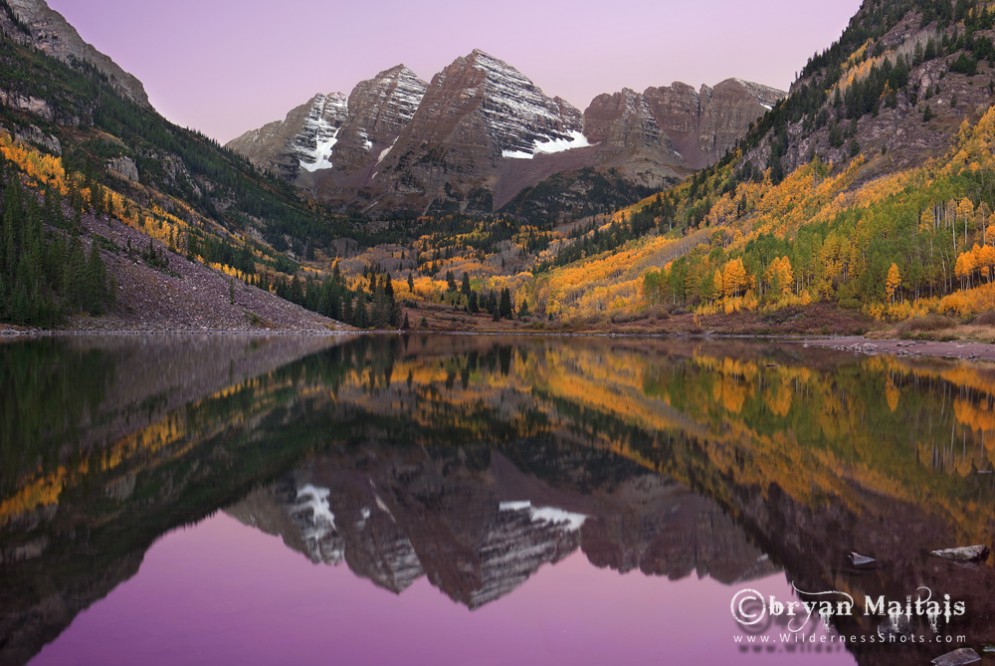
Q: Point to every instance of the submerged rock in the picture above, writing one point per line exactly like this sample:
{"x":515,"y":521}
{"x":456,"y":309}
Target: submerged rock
{"x":965,"y":554}
{"x":958,"y":658}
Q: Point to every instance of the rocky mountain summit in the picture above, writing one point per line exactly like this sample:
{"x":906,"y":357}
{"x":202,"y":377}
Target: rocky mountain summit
{"x":336,"y":131}
{"x":32,"y":22}
{"x":698,"y":126}
{"x":482,"y":132}
{"x":304,"y":140}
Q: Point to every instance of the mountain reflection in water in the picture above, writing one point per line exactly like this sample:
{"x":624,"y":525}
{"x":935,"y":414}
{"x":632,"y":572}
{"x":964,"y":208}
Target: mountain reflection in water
{"x":472,"y":463}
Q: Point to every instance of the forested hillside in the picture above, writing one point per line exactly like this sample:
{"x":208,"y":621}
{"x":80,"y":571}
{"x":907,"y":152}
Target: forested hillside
{"x":870,"y":187}
{"x":71,"y":145}
{"x":872,"y":230}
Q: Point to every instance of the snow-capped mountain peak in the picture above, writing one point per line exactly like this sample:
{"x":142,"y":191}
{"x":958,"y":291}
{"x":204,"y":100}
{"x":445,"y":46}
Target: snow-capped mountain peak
{"x":519,"y":117}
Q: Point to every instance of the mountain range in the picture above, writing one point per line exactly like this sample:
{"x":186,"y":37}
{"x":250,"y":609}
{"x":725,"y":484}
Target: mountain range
{"x":481,"y":132}
{"x":865,"y":195}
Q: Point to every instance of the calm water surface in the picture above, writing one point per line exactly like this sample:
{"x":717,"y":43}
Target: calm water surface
{"x":465,"y":500}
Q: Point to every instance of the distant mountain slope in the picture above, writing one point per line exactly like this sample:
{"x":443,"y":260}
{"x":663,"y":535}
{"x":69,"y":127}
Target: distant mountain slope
{"x":482,"y":132}
{"x":701,"y":126}
{"x":646,"y":141}
{"x":333,"y":130}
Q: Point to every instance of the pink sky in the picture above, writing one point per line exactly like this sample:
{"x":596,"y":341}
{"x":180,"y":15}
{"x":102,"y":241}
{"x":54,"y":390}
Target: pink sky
{"x":226,"y":67}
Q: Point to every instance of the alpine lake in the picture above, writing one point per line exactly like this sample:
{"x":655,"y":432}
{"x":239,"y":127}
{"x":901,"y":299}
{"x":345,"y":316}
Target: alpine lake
{"x":486,"y":500}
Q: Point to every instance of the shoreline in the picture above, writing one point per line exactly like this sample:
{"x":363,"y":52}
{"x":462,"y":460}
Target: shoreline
{"x":961,"y":350}
{"x":37,"y":334}
{"x":856,"y":344}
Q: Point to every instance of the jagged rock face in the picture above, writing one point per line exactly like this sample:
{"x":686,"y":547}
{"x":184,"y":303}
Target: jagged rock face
{"x":726,"y":114}
{"x":378,"y":110}
{"x":304,"y":140}
{"x":332,"y":131}
{"x":314,"y":145}
{"x":677,"y":108}
{"x":484,"y":103}
{"x":124,"y":167}
{"x":54,"y":36}
{"x":621,"y":121}
{"x":696,"y":127}
{"x":476,"y":112}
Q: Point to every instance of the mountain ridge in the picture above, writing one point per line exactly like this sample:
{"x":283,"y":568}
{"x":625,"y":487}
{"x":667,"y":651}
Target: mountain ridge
{"x":480,"y":122}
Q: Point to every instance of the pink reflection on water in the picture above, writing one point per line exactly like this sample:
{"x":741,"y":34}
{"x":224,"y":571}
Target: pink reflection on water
{"x":224,"y":593}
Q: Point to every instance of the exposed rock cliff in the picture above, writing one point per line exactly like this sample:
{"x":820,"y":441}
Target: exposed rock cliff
{"x":33,"y":22}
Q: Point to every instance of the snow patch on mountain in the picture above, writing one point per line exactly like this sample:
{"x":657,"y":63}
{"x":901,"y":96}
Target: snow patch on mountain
{"x":316,"y":500}
{"x":386,"y":151}
{"x":321,"y":158}
{"x":313,"y":513}
{"x":518,"y":116}
{"x":365,"y":137}
{"x":766,"y":95}
{"x":316,"y":141}
{"x":575,"y":139}
{"x":547,"y":514}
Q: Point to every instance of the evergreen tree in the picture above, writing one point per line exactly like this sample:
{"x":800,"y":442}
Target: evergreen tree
{"x":505,"y":309}
{"x":96,"y":282}
{"x":360,"y":315}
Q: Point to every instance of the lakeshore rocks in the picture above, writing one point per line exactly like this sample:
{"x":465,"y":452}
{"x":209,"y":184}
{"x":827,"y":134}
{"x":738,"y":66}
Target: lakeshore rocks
{"x":965,"y":554}
{"x":958,"y":658}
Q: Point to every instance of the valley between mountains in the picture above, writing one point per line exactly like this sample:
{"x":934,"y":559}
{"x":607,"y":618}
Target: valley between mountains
{"x":860,"y":200}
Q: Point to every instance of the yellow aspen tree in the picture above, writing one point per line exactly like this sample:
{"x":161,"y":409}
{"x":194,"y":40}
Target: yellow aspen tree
{"x":964,"y":267}
{"x":976,"y":257}
{"x":734,"y":278}
{"x":965,"y":215}
{"x":892,"y":282}
{"x":981,"y":216}
{"x":986,"y":261}
{"x":787,"y":276}
{"x":965,"y":210}
{"x":780,"y":277}
{"x":949,"y":213}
